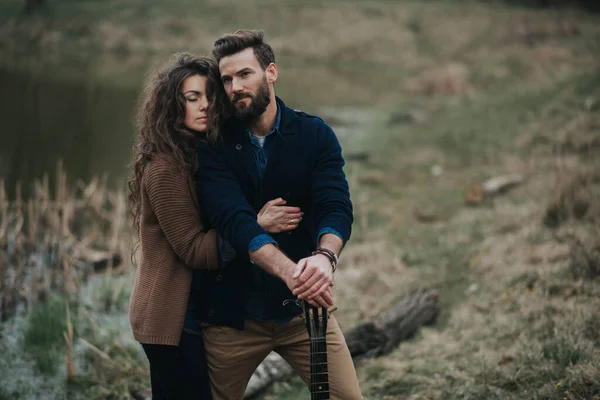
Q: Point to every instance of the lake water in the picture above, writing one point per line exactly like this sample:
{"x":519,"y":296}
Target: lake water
{"x":90,"y":126}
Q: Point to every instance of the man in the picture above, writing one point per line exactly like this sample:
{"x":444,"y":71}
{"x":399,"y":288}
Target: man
{"x":249,"y":308}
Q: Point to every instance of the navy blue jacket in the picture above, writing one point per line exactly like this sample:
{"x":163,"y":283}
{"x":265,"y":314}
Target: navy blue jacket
{"x":304,"y":168}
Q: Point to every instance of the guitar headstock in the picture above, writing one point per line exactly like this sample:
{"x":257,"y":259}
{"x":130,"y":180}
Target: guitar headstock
{"x":316,"y":325}
{"x":316,"y":320}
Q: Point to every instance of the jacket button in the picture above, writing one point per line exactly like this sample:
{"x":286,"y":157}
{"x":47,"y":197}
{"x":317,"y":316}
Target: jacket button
{"x":219,"y":278}
{"x":211,"y":312}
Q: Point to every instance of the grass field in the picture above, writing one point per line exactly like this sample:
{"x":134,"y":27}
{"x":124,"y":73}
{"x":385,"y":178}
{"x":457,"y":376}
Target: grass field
{"x":442,"y":96}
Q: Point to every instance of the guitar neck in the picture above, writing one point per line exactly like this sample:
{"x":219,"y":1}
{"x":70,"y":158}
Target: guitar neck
{"x":319,"y":387}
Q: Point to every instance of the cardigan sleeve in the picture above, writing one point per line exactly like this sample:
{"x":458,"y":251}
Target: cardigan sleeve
{"x":179,"y":217}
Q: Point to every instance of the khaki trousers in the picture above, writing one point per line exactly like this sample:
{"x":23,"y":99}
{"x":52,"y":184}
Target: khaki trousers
{"x":233,"y":356}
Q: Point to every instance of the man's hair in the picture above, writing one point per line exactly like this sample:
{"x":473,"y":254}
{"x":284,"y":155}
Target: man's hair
{"x":242,"y":39}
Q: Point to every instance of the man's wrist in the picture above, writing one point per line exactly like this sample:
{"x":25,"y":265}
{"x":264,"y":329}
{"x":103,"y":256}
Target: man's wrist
{"x":329,"y":255}
{"x":271,"y":259}
{"x":287,"y":271}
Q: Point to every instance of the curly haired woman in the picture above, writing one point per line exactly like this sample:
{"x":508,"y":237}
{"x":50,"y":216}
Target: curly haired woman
{"x":175,"y":111}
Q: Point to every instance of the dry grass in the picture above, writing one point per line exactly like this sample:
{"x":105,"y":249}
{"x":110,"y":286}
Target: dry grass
{"x":51,"y":245}
{"x":48,"y":242}
{"x":519,"y":304}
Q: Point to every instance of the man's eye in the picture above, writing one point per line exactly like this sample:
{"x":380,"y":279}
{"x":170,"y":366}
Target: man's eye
{"x":245,"y":74}
{"x":226,"y":81}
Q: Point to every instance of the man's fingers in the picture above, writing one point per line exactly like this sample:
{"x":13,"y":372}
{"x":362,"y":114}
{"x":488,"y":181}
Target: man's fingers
{"x":313,"y":303}
{"x":323,"y":293}
{"x":299,"y":268}
{"x":320,"y":291}
{"x":308,"y":287}
{"x":313,"y":288}
{"x":302,"y":273}
{"x":310,"y":275}
{"x":328,"y":299}
{"x":322,"y":302}
{"x":327,"y":295}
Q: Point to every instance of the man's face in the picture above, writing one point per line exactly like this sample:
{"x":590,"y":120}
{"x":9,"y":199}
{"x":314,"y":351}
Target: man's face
{"x":245,"y":83}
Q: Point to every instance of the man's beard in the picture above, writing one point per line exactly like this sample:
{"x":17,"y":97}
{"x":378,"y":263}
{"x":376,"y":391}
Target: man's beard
{"x":258,"y":104}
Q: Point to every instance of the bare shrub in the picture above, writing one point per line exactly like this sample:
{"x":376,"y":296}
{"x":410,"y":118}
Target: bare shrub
{"x":576,"y":198}
{"x":46,"y":240}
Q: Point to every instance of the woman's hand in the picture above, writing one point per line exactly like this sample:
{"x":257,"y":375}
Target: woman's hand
{"x":276,"y":217}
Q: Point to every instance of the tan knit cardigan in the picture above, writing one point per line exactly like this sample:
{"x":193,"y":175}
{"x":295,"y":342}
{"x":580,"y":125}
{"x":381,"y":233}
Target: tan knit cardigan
{"x":172,"y":242}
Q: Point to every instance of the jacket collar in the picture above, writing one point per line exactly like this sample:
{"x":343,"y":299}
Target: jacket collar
{"x":288,"y":116}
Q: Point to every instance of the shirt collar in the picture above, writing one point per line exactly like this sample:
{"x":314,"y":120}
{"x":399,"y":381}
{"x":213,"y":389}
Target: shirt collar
{"x":275,"y":128}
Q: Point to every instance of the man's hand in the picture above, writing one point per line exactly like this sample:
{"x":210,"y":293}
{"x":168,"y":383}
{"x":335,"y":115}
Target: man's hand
{"x":276,"y":217}
{"x":313,"y":280}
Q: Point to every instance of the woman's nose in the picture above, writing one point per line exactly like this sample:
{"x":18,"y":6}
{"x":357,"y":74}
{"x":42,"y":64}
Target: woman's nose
{"x":203,"y":104}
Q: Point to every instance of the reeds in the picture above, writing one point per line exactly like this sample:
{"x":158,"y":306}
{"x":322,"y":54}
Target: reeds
{"x":56,"y":238}
{"x":68,"y":335}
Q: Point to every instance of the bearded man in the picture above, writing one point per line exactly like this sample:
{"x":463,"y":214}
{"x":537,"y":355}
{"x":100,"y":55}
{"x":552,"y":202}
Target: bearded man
{"x":268,"y":151}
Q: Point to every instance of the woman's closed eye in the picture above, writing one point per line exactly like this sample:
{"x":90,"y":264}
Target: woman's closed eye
{"x":192,"y":99}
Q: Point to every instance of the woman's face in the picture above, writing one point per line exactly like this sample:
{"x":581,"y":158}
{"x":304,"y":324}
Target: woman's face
{"x":196,"y":103}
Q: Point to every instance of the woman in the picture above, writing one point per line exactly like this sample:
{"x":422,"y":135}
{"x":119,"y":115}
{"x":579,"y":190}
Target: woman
{"x":172,"y":115}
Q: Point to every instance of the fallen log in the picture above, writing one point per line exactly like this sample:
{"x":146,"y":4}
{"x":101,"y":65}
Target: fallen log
{"x":99,"y":259}
{"x":371,"y":339}
{"x":476,"y":194}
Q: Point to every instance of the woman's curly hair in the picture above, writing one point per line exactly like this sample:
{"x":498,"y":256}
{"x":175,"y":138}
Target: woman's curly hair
{"x":160,"y":119}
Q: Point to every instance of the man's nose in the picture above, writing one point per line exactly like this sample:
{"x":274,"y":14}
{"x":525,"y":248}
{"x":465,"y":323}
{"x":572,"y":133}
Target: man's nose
{"x":236,"y":86}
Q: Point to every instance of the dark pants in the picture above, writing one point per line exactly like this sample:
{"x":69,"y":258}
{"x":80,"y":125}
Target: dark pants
{"x":179,"y":372}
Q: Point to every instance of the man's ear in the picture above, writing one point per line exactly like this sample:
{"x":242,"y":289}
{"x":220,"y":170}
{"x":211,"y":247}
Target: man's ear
{"x":272,"y":73}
